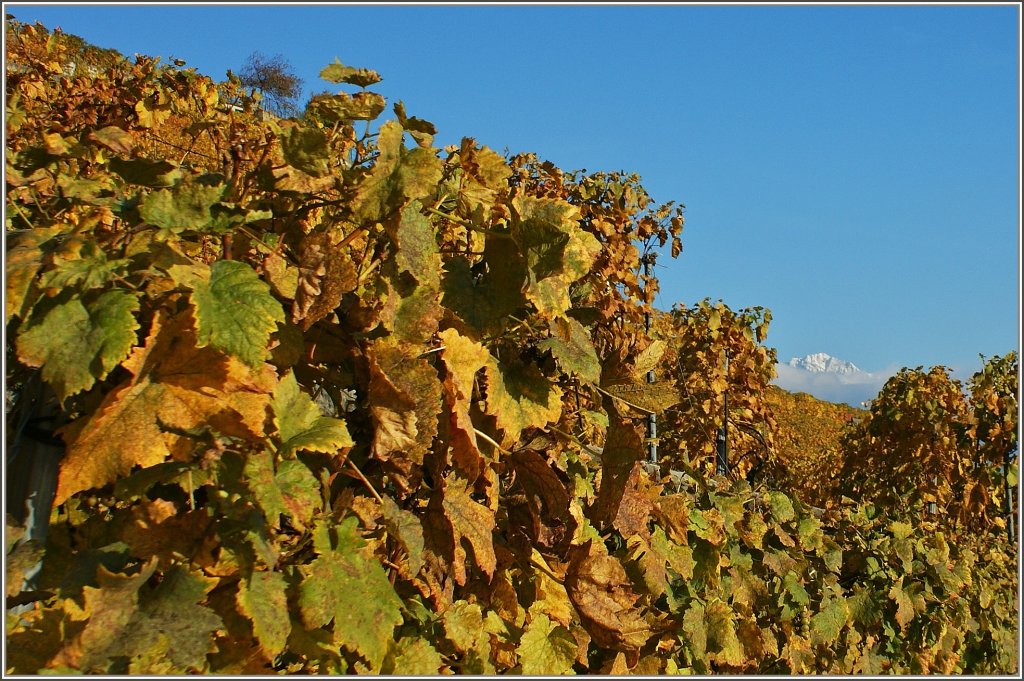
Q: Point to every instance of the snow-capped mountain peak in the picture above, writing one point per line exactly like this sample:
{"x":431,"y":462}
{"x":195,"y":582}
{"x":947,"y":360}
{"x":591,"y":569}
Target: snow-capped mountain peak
{"x":821,"y":363}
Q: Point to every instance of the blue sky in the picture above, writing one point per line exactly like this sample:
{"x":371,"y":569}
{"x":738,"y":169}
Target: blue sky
{"x":853,"y":168}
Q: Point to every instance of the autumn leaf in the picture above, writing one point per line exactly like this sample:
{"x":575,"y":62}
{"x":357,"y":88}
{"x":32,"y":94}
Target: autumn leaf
{"x":469,"y":520}
{"x":176,"y":387}
{"x":519,"y":396}
{"x":235,"y":312}
{"x":828,"y":622}
{"x":412,"y":657}
{"x":546,"y":649}
{"x":262,"y":599}
{"x":603,"y":596}
{"x":79,"y":339}
{"x":345,"y":586}
{"x":299,"y":424}
{"x":405,"y":527}
{"x":572,"y":348}
{"x":183,"y":207}
{"x":339,"y":73}
{"x":24,"y":257}
{"x":398,"y":176}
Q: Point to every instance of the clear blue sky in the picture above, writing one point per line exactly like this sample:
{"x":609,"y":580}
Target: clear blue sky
{"x":853,"y":168}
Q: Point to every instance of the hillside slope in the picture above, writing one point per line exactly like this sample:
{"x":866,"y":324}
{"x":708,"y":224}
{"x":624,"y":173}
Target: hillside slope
{"x":808,"y":440}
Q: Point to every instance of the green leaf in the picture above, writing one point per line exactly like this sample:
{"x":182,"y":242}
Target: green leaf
{"x":146,"y":173}
{"x":406,"y":528}
{"x":174,"y":613}
{"x":235,"y":312}
{"x":464,"y":625}
{"x":417,"y":252}
{"x":89,"y":269}
{"x":485,"y":300}
{"x":795,"y":587}
{"x":572,"y":349}
{"x":782,"y":507}
{"x":339,"y":73}
{"x":262,"y":599}
{"x":546,"y":649}
{"x":864,"y":608}
{"x":183,"y":207}
{"x":345,"y":586}
{"x":78,"y":340}
{"x":299,"y":423}
{"x":259,"y":474}
{"x":24,"y":257}
{"x":306,"y":148}
{"x":828,"y":622}
{"x":413,"y":657}
{"x":300,"y":491}
{"x":722,"y":641}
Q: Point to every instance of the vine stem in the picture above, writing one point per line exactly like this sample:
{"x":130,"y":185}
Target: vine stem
{"x":487,"y":438}
{"x":366,"y":482}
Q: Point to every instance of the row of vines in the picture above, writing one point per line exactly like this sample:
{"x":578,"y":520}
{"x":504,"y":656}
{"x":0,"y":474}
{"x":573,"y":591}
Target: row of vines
{"x":329,"y":399}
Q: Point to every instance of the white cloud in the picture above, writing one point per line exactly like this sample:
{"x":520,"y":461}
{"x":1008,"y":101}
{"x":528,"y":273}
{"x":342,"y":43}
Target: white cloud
{"x":853,"y":389}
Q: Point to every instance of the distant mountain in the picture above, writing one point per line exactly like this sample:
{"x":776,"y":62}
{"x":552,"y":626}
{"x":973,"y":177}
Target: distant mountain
{"x":821,"y":363}
{"x":829,"y":378}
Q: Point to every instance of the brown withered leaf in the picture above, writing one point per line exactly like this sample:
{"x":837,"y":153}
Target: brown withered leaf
{"x":325,"y":274}
{"x":673,"y":510}
{"x":405,"y":401}
{"x":636,"y":503}
{"x":158,"y":529}
{"x":623,"y":449}
{"x":546,"y":496}
{"x":175,"y":387}
{"x":602,"y":594}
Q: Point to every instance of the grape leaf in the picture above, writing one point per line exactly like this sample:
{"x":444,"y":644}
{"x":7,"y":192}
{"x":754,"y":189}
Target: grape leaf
{"x":603,"y":596}
{"x":235,"y":312}
{"x":416,"y":243}
{"x":519,"y":396}
{"x":469,"y":520}
{"x":546,"y":649}
{"x":464,"y":625}
{"x":341,"y":107}
{"x":405,"y":527}
{"x":399,"y":176}
{"x":176,"y":386}
{"x":183,"y":207}
{"x":24,"y":257}
{"x":339,"y":73}
{"x":300,"y":425}
{"x":412,"y":657}
{"x":259,"y":474}
{"x":828,"y":622}
{"x":484,"y":300}
{"x":306,"y":148}
{"x":782,"y":507}
{"x":262,"y":599}
{"x":300,"y":491}
{"x":347,"y":587}
{"x":572,"y":348}
{"x":77,"y":339}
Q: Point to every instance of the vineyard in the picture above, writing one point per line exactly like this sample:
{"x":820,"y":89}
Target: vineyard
{"x":312,"y":395}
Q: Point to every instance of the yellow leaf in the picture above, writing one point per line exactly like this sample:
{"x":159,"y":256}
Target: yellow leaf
{"x":176,"y":386}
